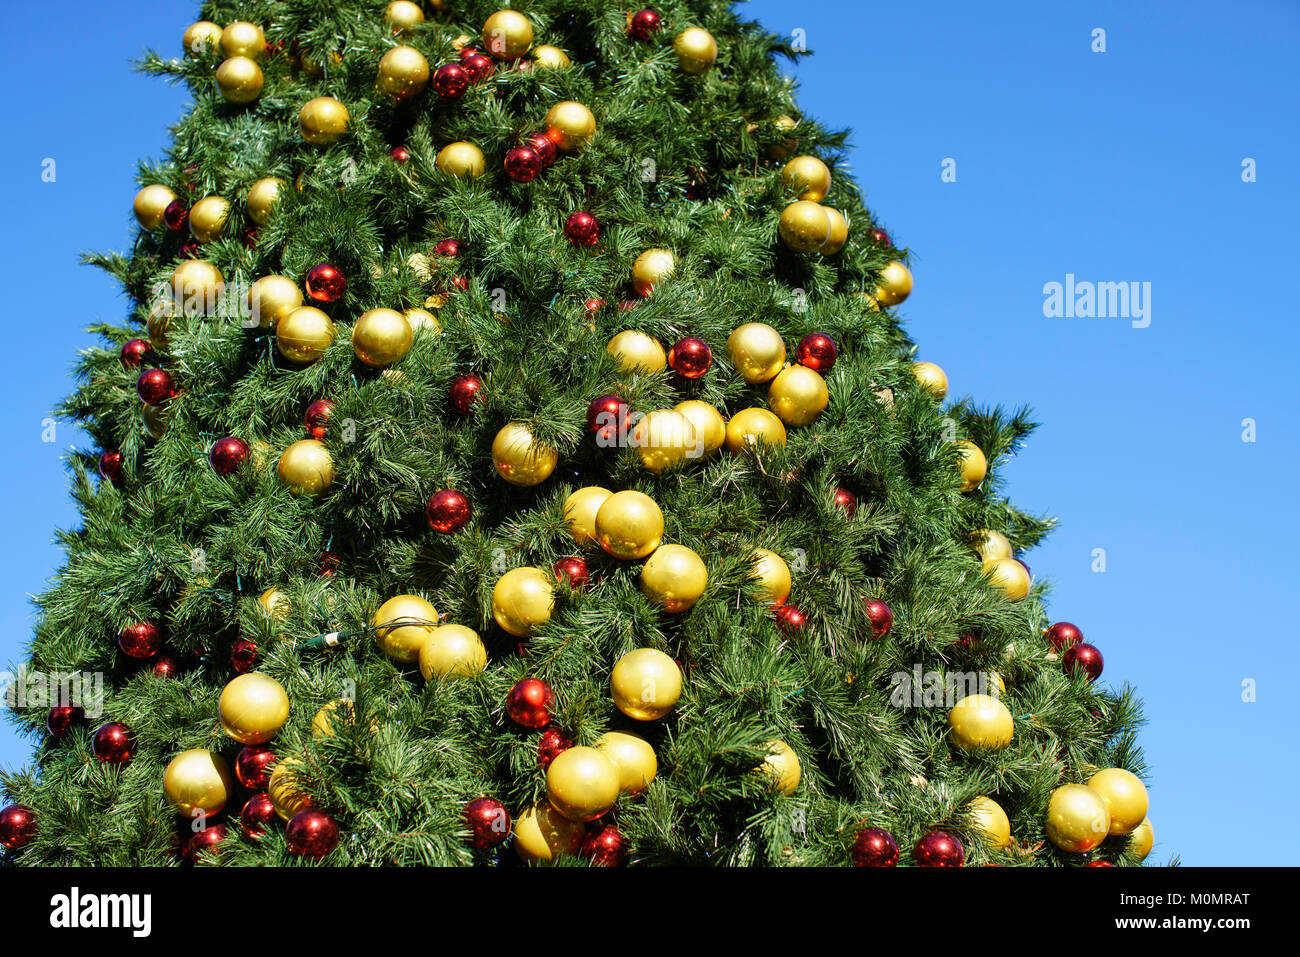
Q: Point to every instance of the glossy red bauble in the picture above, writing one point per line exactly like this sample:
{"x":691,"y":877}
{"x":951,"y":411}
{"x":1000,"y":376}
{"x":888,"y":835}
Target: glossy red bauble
{"x":523,"y":164}
{"x":134,"y":351}
{"x":110,"y":464}
{"x":317,"y":418}
{"x":141,"y":639}
{"x":529,"y":703}
{"x":552,"y":742}
{"x":582,"y":229}
{"x":451,"y":80}
{"x":63,"y":718}
{"x":311,"y":833}
{"x":939,"y":849}
{"x":817,"y":351}
{"x":608,"y":418}
{"x":1064,"y":634}
{"x":448,"y":248}
{"x":155,"y":386}
{"x":593,"y":306}
{"x":847,"y":501}
{"x":113,"y":743}
{"x":572,"y":570}
{"x":448,"y":511}
{"x":605,"y":846}
{"x":227,"y":455}
{"x":543,"y":146}
{"x":253,"y":766}
{"x":176,"y":215}
{"x":690,"y":357}
{"x":881,"y":238}
{"x":644,"y":23}
{"x":400,"y":153}
{"x":791,"y":619}
{"x":202,"y":842}
{"x":166,"y":665}
{"x":488,"y":822}
{"x":243,"y":655}
{"x":1083,"y":659}
{"x":327,"y":566}
{"x":479,"y":66}
{"x":17,"y":826}
{"x":257,"y":816}
{"x":882,"y":619}
{"x":326,"y":283}
{"x":875,"y":847}
{"x":464,"y":390}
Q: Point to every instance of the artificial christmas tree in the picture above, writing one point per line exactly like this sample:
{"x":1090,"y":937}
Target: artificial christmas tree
{"x":454,"y":562}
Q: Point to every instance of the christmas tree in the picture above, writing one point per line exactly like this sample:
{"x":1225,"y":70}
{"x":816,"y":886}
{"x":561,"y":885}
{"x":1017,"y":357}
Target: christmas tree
{"x":513,"y":452}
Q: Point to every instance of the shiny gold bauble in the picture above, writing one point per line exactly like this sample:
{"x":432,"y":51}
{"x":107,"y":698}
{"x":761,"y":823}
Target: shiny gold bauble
{"x":696,"y":50}
{"x":710,"y":428}
{"x":303,"y":334}
{"x":632,"y":756}
{"x":523,"y":599}
{"x":201,"y":37}
{"x":931,"y":378}
{"x":306,"y":467}
{"x":403,"y":72}
{"x":1008,"y":576}
{"x":645,"y":684}
{"x":284,"y":790}
{"x":570,"y":125}
{"x":629,"y":525}
{"x":773,"y":576}
{"x":242,"y":38}
{"x":980,"y":722}
{"x":275,"y":604}
{"x":154,"y":418}
{"x":1077,"y":820}
{"x":757,"y":351}
{"x":580,"y":510}
{"x":664,"y":439}
{"x":973,"y":465}
{"x":159,"y":322}
{"x":253,"y":708}
{"x":401,"y":15}
{"x":582,"y":783}
{"x":784,"y":149}
{"x":507,"y":34}
{"x":542,"y":834}
{"x":782,"y":766}
{"x":381,"y":337}
{"x":519,"y":458}
{"x":1141,"y":840}
{"x":550,"y":58}
{"x":1125,"y":796}
{"x":805,"y":227}
{"x":271,"y":298}
{"x":208,"y":217}
{"x":150,"y":204}
{"x":674,"y":578}
{"x":637,"y":352}
{"x":839,"y":233}
{"x":990,"y":545}
{"x":422,"y":320}
{"x":798,"y":395}
{"x":751,"y":427}
{"x":402,"y":625}
{"x":239,"y":80}
{"x":895,"y":284}
{"x":452,"y":650}
{"x":809,"y":175}
{"x":991,"y":821}
{"x":198,"y":782}
{"x":333,"y":718}
{"x":323,"y":121}
{"x":461,"y":159}
{"x":262,"y":197}
{"x":197,"y":286}
{"x":651,"y":268}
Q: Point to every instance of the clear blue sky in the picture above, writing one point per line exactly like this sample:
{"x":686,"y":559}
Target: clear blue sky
{"x":1115,"y":166}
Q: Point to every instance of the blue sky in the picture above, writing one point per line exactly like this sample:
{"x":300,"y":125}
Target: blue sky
{"x":1115,"y":166}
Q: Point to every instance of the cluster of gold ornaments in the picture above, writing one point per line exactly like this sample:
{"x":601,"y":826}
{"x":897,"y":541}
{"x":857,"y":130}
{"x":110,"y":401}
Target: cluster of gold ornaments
{"x":408,"y":630}
{"x":1112,"y":804}
{"x":807,"y":226}
{"x":239,"y":76}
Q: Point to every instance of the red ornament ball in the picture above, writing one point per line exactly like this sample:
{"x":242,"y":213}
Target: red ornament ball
{"x":882,"y":619}
{"x":874,"y":847}
{"x":846,"y":500}
{"x":605,"y":847}
{"x":326,"y":283}
{"x":582,"y":229}
{"x":400,"y":153}
{"x":155,"y":386}
{"x":939,"y":849}
{"x":189,"y":250}
{"x":166,"y":665}
{"x":141,"y":640}
{"x":133,"y":352}
{"x":251,"y":235}
{"x":253,"y":766}
{"x":644,"y":23}
{"x":110,"y":464}
{"x":523,"y":164}
{"x":1064,"y":634}
{"x":543,"y":146}
{"x":608,"y":418}
{"x":448,"y":511}
{"x":1083,"y":658}
{"x":311,"y":833}
{"x":552,"y":742}
{"x":228,"y":454}
{"x":114,"y":744}
{"x":17,"y":826}
{"x":593,"y":306}
{"x":881,"y":238}
{"x":463,"y":392}
{"x":817,"y":351}
{"x":1099,"y":864}
{"x":690,"y":357}
{"x":202,"y":842}
{"x":258,"y":814}
{"x":176,"y":215}
{"x":243,"y":655}
{"x":450,"y":248}
{"x":327,"y":565}
{"x":63,"y":718}
{"x":790,"y":619}
{"x":574,"y":571}
{"x":528,"y":703}
{"x":451,"y":80}
{"x":488,"y":822}
{"x":477,"y":65}
{"x":317,"y":418}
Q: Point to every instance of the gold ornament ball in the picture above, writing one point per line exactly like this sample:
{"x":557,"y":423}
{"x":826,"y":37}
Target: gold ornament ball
{"x":582,"y":783}
{"x":306,"y":467}
{"x":839,"y":233}
{"x":710,"y":428}
{"x":543,"y":835}
{"x":150,"y":204}
{"x":333,"y":719}
{"x":550,"y":58}
{"x":752,"y":427}
{"x":696,"y":50}
{"x":197,"y":286}
{"x":991,"y":821}
{"x":645,"y":684}
{"x":805,"y":226}
{"x":757,"y":351}
{"x":159,"y":322}
{"x":423,"y":320}
{"x":1141,"y":840}
{"x":523,"y":600}
{"x":1077,"y":820}
{"x":200,"y":38}
{"x":1125,"y":796}
{"x":253,"y":708}
{"x":1008,"y":576}
{"x":798,"y":395}
{"x":990,"y":545}
{"x":242,"y":38}
{"x":632,"y":756}
{"x":809,"y":175}
{"x":570,"y":125}
{"x":381,"y":337}
{"x":637,"y":352}
{"x":580,"y":510}
{"x":782,"y":766}
{"x":461,"y":159}
{"x":895,"y":284}
{"x":275,"y":604}
{"x":784,"y":149}
{"x":271,"y":298}
{"x":973,"y":465}
{"x":674,"y":578}
{"x":197,"y":782}
{"x":287,"y":796}
{"x":519,"y":458}
{"x":402,"y":625}
{"x":208,"y":218}
{"x":401,"y":15}
{"x":262,"y":197}
{"x":154,"y":418}
{"x":303,"y":334}
{"x":507,"y":34}
{"x":980,"y":722}
{"x":664,"y":439}
{"x":650,"y":269}
{"x":931,"y":378}
{"x":772,"y":574}
{"x":323,"y":121}
{"x":629,"y":525}
{"x":239,"y":81}
{"x":403,"y":72}
{"x":452,"y":650}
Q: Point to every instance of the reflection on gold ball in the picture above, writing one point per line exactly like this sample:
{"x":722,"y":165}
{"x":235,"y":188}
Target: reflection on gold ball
{"x":242,"y":38}
{"x":798,"y":395}
{"x":782,"y":766}
{"x":674,"y":578}
{"x":696,"y":50}
{"x":208,"y":217}
{"x":990,"y":545}
{"x":570,"y":125}
{"x":461,"y":159}
{"x":757,"y":351}
{"x":197,"y":286}
{"x":632,"y":756}
{"x":253,"y":707}
{"x":1125,"y":796}
{"x":522,"y":600}
{"x":580,"y":510}
{"x":974,"y":466}
{"x":663,"y":439}
{"x":403,"y":72}
{"x":452,"y":650}
{"x":710,"y":427}
{"x":197,"y":782}
{"x":402,"y":625}
{"x":262,"y":197}
{"x":805,"y":227}
{"x":284,"y":790}
{"x":629,"y":525}
{"x":1077,"y":820}
{"x":645,"y":684}
{"x":931,"y":378}
{"x":401,"y":15}
{"x":271,"y":298}
{"x":809,"y":175}
{"x":542,"y":834}
{"x":323,"y":121}
{"x":519,"y":458}
{"x":275,"y":603}
{"x":239,"y":80}
{"x":650,"y":269}
{"x":895,"y":284}
{"x":507,"y":34}
{"x":637,"y":352}
{"x":303,"y":334}
{"x":200,"y":38}
{"x":1009,"y":576}
{"x":422,"y":320}
{"x":980,"y":721}
{"x":1142,"y":840}
{"x":306,"y":467}
{"x":150,"y":204}
{"x":773,"y":576}
{"x":381,"y":337}
{"x":582,"y":784}
{"x":839,"y":233}
{"x":754,"y":427}
{"x":991,"y":821}
{"x":550,"y":58}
